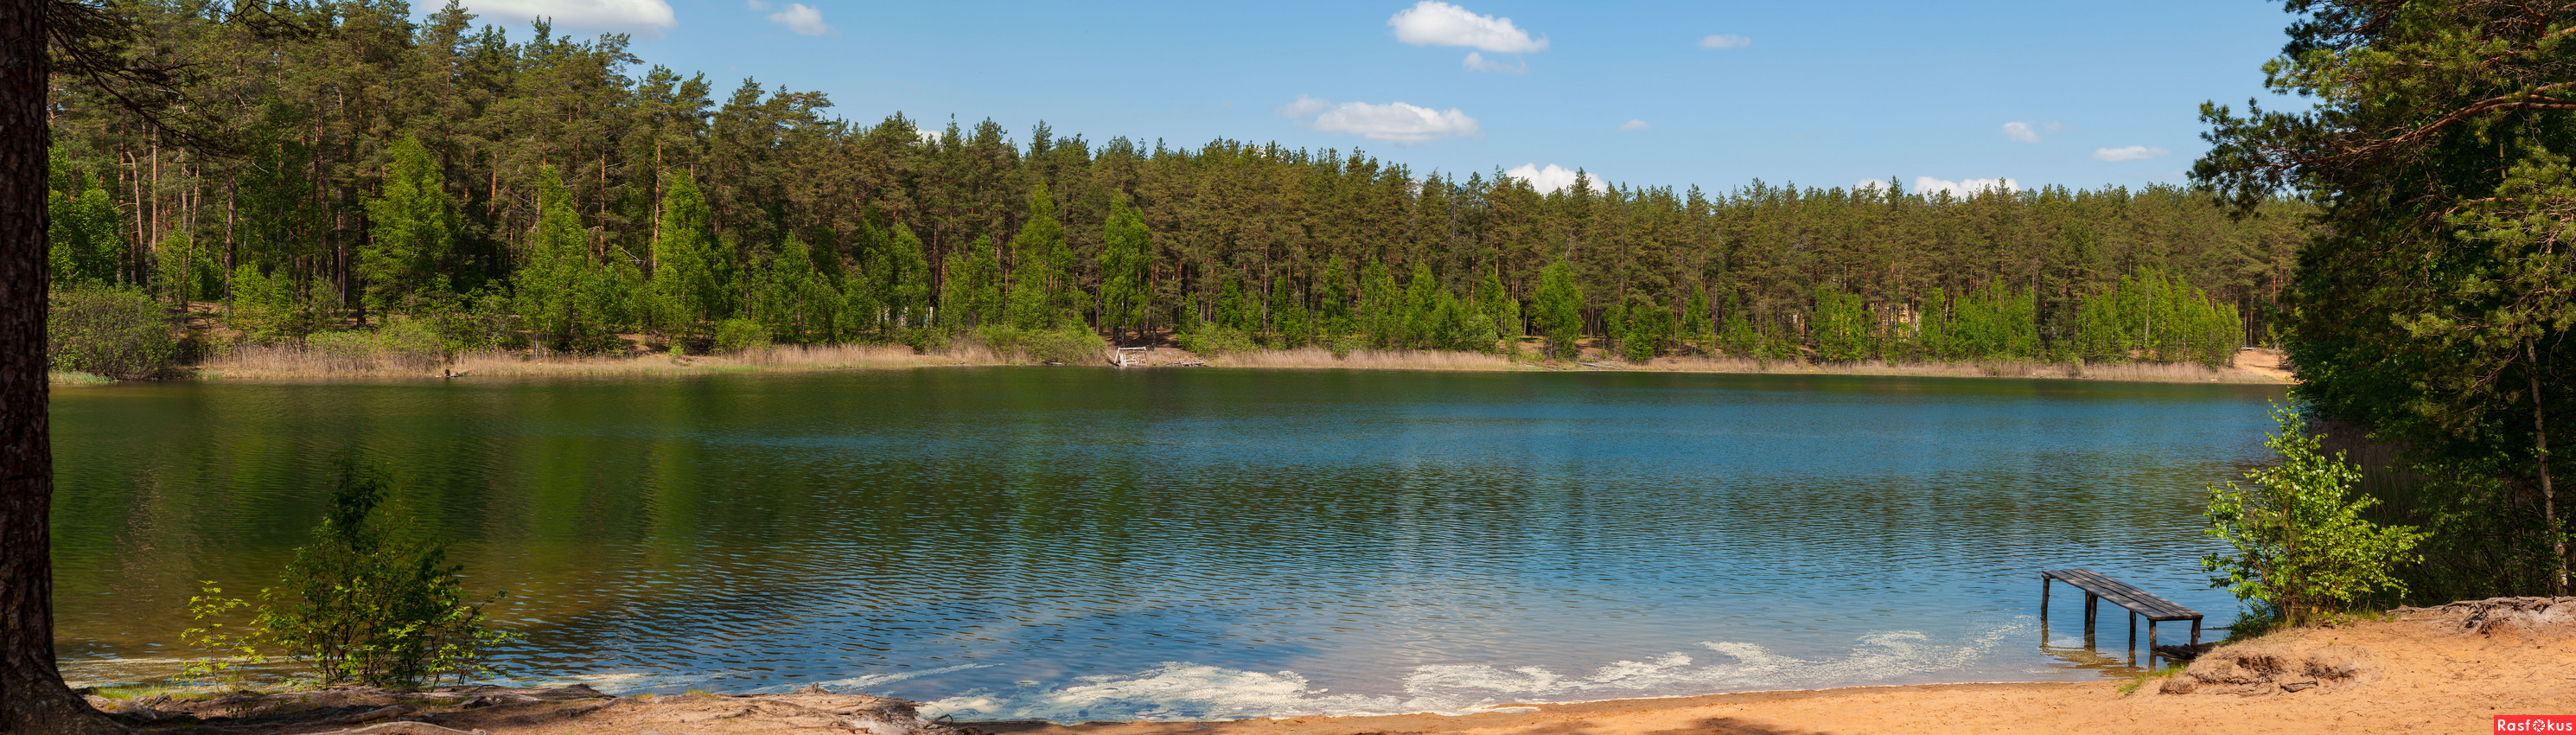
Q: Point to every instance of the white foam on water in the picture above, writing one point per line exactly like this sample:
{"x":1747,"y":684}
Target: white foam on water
{"x":1186,"y":691}
{"x":864,"y":682}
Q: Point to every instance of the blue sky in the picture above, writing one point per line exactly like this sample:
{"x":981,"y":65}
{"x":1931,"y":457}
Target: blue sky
{"x":1646,"y":93}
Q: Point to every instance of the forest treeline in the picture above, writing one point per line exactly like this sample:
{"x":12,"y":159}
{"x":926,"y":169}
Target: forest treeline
{"x":360,"y":167}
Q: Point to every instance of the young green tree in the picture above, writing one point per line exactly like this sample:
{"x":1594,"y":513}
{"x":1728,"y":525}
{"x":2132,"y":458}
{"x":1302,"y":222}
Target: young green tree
{"x":1042,"y":293}
{"x":2302,"y":547}
{"x":689,"y":283}
{"x":1557,"y":309}
{"x":1125,"y":253}
{"x":411,"y":232}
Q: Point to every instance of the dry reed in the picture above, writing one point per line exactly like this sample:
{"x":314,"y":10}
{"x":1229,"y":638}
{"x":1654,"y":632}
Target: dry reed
{"x":1313,"y":357}
{"x":288,"y":362}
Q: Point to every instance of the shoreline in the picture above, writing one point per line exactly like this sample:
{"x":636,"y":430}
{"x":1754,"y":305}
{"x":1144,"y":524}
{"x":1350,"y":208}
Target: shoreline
{"x":277,"y":365}
{"x":2445,"y":669}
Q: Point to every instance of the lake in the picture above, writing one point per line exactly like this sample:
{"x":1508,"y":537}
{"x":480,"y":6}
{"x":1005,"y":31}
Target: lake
{"x":1079,"y":544}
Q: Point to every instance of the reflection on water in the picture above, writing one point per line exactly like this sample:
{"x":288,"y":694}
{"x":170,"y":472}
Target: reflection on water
{"x":1076,"y":544}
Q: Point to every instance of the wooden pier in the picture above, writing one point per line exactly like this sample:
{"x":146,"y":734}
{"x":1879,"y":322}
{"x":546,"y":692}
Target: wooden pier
{"x":2139,"y":602}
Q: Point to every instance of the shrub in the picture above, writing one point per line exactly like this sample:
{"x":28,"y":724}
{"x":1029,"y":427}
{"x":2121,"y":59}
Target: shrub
{"x":2302,"y":547}
{"x":363,"y":603}
{"x":1211,"y":340}
{"x":738,"y":335}
{"x":115,"y":332}
{"x":1072,"y":344}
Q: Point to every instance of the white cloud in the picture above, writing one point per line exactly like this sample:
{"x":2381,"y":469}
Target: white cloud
{"x":1545,"y":180}
{"x":1926,"y":186}
{"x":1434,"y":23}
{"x":1304,"y":106}
{"x":1725,"y":40}
{"x":803,"y":19}
{"x":613,"y":14}
{"x":1633,"y":126}
{"x":2131,"y":153}
{"x":1477,"y":62}
{"x":757,"y":4}
{"x":1394,"y":122}
{"x":2028,"y":132}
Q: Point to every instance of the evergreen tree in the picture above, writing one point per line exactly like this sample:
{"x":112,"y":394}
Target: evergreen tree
{"x":412,"y":232}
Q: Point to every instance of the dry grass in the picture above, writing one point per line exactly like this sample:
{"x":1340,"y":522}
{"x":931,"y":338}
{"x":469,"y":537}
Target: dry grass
{"x":1313,"y":357}
{"x":286,"y":362}
{"x":2131,"y":372}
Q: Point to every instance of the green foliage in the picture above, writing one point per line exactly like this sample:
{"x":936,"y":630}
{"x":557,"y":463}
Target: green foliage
{"x":736,"y":336}
{"x":570,"y":299}
{"x":265,"y":307}
{"x":1557,"y":310}
{"x":2432,"y":302}
{"x":1125,"y":254}
{"x":2158,"y":318}
{"x":2302,"y":547}
{"x":83,"y":234}
{"x":1071,"y":344}
{"x":362,"y":601}
{"x":1043,"y":294}
{"x":1212,"y":340}
{"x":112,"y":331}
{"x":412,"y":231}
{"x":690,"y":279}
{"x":971,"y":295}
{"x":1844,"y":328}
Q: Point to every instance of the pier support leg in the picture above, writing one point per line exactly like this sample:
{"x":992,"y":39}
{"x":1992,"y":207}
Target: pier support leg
{"x":2089,"y":600}
{"x":2151,"y":643}
{"x":2133,"y":630}
{"x":2043,"y":599}
{"x":2195,"y":632}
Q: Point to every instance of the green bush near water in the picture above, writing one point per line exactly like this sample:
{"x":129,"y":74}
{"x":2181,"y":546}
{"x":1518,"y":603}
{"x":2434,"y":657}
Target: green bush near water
{"x":2302,"y":547}
{"x":363,"y":601}
{"x":110,"y":331}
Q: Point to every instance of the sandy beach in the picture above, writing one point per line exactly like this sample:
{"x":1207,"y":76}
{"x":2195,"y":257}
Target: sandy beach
{"x":2441,"y":670}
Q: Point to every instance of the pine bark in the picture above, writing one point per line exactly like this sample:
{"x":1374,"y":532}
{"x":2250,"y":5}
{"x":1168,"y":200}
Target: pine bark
{"x":33,"y":698}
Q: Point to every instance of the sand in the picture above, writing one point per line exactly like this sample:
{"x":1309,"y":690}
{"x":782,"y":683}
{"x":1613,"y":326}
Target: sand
{"x":2443,"y":670}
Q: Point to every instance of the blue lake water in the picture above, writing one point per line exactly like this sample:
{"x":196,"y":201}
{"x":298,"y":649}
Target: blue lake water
{"x":1080,"y":544}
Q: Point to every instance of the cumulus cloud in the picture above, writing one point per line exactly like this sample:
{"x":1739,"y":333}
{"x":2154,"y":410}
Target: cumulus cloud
{"x":1394,"y":122}
{"x":2131,"y":153}
{"x":1633,"y":126}
{"x":803,"y":19}
{"x":1434,"y":23}
{"x":1725,"y":40}
{"x":625,"y":14}
{"x":1477,"y":62}
{"x":1546,"y":180}
{"x":1927,"y":186}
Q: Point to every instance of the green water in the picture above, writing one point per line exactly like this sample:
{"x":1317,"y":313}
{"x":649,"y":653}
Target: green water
{"x":1075,"y":543}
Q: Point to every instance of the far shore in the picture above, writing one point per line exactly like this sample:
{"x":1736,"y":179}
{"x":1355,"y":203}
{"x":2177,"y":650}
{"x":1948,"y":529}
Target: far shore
{"x":2253,"y":366}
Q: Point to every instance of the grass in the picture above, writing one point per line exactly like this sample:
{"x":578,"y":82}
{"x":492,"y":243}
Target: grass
{"x":75,"y":377}
{"x":2134,"y":683}
{"x":287,"y":362}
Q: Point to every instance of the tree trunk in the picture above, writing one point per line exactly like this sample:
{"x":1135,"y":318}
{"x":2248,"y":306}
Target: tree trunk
{"x":33,"y":698}
{"x":2548,"y":495}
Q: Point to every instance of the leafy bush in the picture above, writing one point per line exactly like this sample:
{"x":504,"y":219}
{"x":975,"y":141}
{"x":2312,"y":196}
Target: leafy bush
{"x":361,"y":602}
{"x":1072,"y":344}
{"x":1212,"y":340}
{"x":738,"y":335}
{"x":2302,"y":546}
{"x":116,"y":332}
